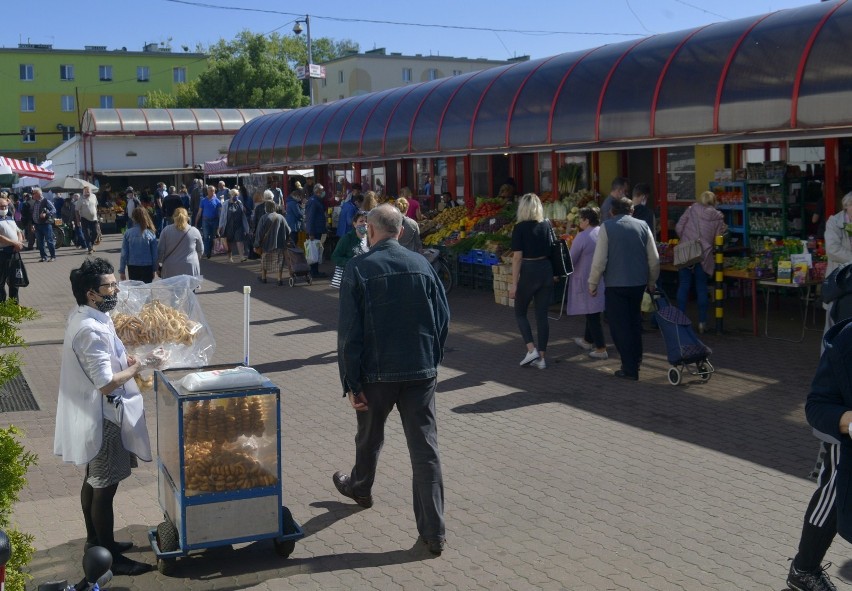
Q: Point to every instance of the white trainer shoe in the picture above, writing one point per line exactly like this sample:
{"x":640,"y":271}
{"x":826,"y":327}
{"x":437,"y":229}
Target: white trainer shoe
{"x":529,"y":357}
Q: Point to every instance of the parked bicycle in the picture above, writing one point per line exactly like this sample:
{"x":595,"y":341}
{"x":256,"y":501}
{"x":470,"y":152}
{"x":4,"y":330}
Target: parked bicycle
{"x":441,"y":266}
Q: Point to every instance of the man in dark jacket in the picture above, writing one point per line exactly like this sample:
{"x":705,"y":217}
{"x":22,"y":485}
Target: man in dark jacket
{"x":392,"y":326}
{"x":316,"y":224}
{"x":829,"y":411}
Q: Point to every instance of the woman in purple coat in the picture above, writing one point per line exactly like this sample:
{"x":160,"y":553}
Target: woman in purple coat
{"x":579,"y":300}
{"x":701,"y":221}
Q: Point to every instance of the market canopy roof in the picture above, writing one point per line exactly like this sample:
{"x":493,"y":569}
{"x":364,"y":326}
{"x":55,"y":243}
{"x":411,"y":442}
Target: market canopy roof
{"x":140,"y":121}
{"x":785,"y":73}
{"x":24,"y":168}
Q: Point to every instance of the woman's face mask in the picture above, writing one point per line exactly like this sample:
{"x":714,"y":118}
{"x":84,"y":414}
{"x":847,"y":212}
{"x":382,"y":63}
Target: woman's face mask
{"x":460,"y":201}
{"x":3,"y":212}
{"x":361,"y":229}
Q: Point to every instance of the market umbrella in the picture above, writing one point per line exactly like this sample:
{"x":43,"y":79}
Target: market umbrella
{"x":7,"y":176}
{"x":24,"y":168}
{"x":68,"y":184}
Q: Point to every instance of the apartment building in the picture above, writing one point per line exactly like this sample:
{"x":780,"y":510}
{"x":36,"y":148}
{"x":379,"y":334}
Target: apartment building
{"x":374,"y":70}
{"x":45,"y":91}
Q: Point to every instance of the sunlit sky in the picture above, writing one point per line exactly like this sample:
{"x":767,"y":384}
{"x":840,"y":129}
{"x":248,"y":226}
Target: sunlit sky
{"x":496,"y":29}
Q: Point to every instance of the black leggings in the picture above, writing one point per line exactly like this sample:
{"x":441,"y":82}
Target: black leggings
{"x":535,"y":282}
{"x":594,"y":330}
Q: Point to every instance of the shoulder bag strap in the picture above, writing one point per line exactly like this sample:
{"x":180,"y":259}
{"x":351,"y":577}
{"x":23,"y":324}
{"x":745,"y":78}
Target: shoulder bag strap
{"x":174,"y":248}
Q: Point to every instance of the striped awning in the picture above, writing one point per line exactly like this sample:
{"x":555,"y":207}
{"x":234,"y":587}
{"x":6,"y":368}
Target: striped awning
{"x":24,"y":168}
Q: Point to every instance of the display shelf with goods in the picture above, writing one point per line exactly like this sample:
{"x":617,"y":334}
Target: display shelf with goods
{"x":773,"y":210}
{"x":732,"y":201}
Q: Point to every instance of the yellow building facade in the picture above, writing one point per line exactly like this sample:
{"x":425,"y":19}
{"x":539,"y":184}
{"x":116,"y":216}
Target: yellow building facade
{"x":45,"y":91}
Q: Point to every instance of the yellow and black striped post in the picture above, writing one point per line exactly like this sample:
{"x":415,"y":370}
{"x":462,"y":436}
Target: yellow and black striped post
{"x":719,"y":277}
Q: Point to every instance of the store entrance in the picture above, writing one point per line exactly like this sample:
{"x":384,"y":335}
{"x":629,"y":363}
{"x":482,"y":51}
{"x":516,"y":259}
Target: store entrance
{"x":640,"y":167}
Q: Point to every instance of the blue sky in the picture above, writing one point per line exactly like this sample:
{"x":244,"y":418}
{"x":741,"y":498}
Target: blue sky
{"x":550,"y":26}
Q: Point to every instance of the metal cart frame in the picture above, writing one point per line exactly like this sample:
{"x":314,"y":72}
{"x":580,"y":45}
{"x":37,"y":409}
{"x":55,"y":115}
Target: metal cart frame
{"x":202,"y":520}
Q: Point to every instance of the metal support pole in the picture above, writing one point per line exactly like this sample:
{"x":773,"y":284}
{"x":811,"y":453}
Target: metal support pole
{"x":310,"y":58}
{"x":246,"y":322}
{"x":719,"y":278}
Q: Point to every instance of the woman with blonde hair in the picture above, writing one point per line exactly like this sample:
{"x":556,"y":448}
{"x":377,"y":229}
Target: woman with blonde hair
{"x":532,"y":276}
{"x":180,"y":247}
{"x":139,"y":248}
{"x":413,"y":205}
{"x":410,"y":237}
{"x":702,"y":222}
{"x":370,"y":201}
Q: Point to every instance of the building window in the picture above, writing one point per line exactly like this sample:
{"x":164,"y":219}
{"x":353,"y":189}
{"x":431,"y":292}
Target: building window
{"x":142,"y":74}
{"x":68,"y":132}
{"x":680,"y":173}
{"x":106,"y":101}
{"x":340,"y":77}
{"x":28,"y":135}
{"x":27,"y":103}
{"x":105,"y":73}
{"x":142,"y":101}
{"x":179,"y":75}
{"x":324,"y":82}
{"x":457,"y":72}
{"x":406,"y":74}
{"x":68,"y":103}
{"x":66,"y":72}
{"x":433,"y":74}
{"x":26,"y":71}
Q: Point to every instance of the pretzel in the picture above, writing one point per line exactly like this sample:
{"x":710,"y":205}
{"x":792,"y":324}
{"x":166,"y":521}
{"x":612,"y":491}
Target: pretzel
{"x":155,"y":324}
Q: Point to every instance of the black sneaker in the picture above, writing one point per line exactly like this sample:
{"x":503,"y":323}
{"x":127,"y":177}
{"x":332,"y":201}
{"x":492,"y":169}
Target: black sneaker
{"x":817,"y":580}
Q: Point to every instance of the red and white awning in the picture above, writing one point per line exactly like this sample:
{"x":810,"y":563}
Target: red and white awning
{"x":24,"y":168}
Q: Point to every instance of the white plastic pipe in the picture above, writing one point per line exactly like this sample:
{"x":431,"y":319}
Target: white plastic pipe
{"x":246,"y":317}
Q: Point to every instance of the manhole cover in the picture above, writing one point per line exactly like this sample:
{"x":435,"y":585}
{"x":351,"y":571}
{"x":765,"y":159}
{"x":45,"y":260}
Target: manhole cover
{"x":15,"y":396}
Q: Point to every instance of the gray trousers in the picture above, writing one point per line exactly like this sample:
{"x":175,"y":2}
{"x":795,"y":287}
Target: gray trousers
{"x":415,"y":401}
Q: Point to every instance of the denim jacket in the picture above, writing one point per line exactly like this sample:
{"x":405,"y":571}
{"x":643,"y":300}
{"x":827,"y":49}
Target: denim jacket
{"x":138,"y":249}
{"x":394,"y":318}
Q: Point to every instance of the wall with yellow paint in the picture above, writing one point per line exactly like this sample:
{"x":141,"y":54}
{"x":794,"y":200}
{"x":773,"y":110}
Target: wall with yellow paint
{"x":707,"y":160}
{"x":608,"y":169}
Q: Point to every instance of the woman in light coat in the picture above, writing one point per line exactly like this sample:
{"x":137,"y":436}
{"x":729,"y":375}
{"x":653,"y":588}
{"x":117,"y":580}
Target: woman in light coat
{"x":701,"y":221}
{"x":271,"y":237}
{"x":180,"y":247}
{"x":579,"y":299}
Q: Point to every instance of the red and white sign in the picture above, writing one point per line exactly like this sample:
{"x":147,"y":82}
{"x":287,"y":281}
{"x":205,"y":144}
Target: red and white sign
{"x":316,"y":71}
{"x":24,"y":168}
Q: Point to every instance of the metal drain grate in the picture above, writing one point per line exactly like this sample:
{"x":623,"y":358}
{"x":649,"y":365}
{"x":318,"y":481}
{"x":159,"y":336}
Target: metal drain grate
{"x":15,"y":396}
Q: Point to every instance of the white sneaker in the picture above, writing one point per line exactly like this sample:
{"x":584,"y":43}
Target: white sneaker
{"x":529,"y":357}
{"x":583,"y":344}
{"x":539,"y":363}
{"x":598,"y":354}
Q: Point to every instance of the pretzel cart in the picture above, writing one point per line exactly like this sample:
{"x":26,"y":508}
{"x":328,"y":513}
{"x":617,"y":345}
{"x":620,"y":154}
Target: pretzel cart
{"x":218,"y":464}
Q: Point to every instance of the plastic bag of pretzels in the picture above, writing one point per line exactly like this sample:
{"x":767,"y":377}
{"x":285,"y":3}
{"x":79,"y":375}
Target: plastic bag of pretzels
{"x":163,"y":320}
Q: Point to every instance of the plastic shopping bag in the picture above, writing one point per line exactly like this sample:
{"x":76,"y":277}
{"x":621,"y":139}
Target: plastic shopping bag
{"x":313,"y":251}
{"x":220,"y":245}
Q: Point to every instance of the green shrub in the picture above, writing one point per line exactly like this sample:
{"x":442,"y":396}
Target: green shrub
{"x":14,"y":462}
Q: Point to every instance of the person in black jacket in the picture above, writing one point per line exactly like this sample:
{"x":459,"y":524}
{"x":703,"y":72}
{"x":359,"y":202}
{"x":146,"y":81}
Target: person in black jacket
{"x":641,"y":193}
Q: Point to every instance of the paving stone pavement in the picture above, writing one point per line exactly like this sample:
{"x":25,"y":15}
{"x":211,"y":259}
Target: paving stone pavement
{"x":565,"y":478}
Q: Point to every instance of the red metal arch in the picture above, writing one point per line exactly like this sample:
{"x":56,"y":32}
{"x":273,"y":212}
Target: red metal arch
{"x":319,"y":109}
{"x":559,"y":92}
{"x":266,"y":129}
{"x":275,"y":139}
{"x":387,"y":123}
{"x":367,"y":120}
{"x":447,"y":106}
{"x":724,"y":75}
{"x":653,"y":123}
{"x":605,"y":85}
{"x":346,"y":123}
{"x":482,"y":98}
{"x":340,"y":105}
{"x":420,"y":106}
{"x":800,"y":71}
{"x":518,"y":94}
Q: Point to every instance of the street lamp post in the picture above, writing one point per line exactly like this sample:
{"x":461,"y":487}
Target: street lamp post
{"x":297,"y":29}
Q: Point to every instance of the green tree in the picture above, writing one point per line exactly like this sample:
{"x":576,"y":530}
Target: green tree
{"x":247,"y":72}
{"x":14,"y":459}
{"x":185,"y":97}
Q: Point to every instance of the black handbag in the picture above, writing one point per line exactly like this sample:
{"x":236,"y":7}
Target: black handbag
{"x":560,"y":257}
{"x":18,"y":271}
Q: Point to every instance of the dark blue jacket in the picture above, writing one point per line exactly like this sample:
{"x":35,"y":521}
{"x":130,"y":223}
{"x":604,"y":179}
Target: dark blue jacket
{"x":315,"y":220}
{"x":829,"y":398}
{"x":347,"y":214}
{"x":293,"y":214}
{"x":393,"y":318}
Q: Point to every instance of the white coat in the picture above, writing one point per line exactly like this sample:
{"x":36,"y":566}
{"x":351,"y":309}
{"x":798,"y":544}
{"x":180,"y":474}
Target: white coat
{"x":91,"y":354}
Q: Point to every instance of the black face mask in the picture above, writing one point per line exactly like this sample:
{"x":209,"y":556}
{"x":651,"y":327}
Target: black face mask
{"x":108,"y":303}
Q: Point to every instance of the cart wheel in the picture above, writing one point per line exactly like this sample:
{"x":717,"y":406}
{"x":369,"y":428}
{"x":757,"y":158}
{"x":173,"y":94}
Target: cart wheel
{"x":167,"y":537}
{"x":166,"y":566}
{"x":291,"y":282}
{"x":674,"y":376}
{"x":284,"y":548}
{"x":310,"y":280}
{"x":705,"y":370}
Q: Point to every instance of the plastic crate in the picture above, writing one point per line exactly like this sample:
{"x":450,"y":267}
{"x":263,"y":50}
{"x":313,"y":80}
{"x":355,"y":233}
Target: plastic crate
{"x":483,"y":257}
